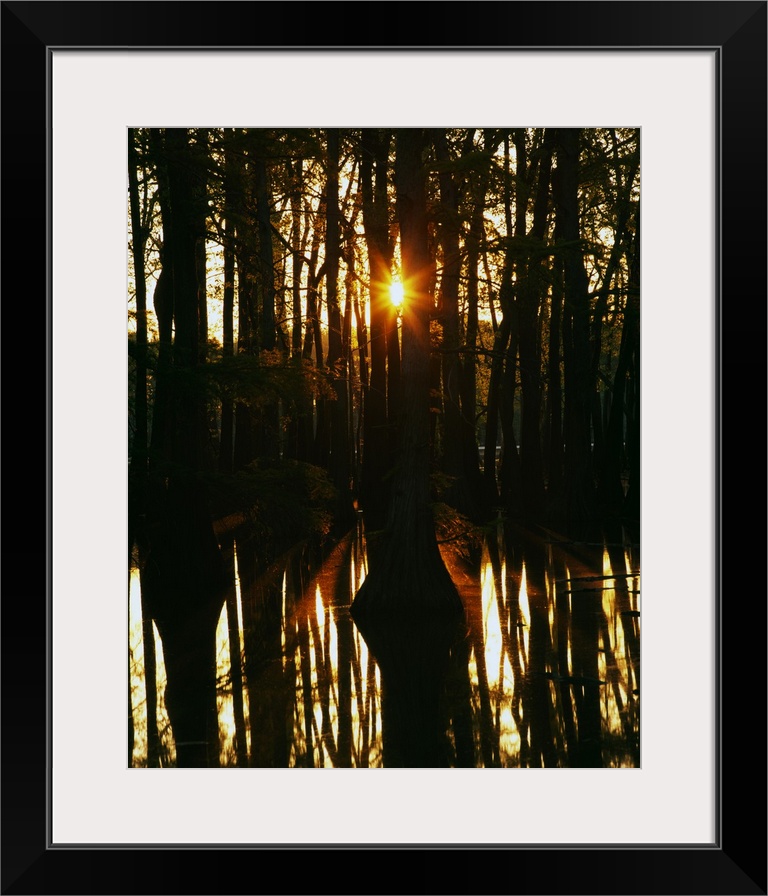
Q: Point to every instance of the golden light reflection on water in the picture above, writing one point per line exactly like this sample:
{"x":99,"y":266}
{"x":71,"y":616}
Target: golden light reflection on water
{"x":224,"y":698}
{"x":317,"y":707}
{"x":500,"y":674}
{"x":494,"y":649}
{"x":137,"y":679}
{"x":525,"y":609}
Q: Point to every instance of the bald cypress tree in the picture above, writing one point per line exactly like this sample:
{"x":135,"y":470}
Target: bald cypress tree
{"x":183,"y":577}
{"x":408,"y":575}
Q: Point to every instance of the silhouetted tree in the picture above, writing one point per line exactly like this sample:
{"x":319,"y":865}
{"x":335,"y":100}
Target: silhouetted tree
{"x":183,"y":576}
{"x":409,"y":576}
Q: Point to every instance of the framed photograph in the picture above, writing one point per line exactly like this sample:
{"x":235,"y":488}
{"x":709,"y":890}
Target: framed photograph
{"x":675,"y":95}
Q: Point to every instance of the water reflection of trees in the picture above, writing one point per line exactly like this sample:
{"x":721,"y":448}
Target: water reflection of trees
{"x":544,"y":674}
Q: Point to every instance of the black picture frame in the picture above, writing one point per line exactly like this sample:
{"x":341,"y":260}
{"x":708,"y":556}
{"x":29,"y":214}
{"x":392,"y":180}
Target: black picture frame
{"x":736,"y":863}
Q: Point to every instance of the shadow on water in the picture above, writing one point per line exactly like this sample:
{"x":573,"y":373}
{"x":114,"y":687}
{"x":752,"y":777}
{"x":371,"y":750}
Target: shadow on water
{"x":543,"y":671}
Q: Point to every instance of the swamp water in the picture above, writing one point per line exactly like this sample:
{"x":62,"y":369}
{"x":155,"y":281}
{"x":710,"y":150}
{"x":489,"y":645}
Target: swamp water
{"x":544,"y":674}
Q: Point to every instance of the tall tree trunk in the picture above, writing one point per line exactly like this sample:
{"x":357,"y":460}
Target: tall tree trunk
{"x":554,"y":446}
{"x":183,"y":577}
{"x":479,"y":508}
{"x":296,"y":175}
{"x":337,"y":362}
{"x":530,"y":284}
{"x":632,"y":326}
{"x":461,"y":460}
{"x":501,"y":340}
{"x":351,"y":302}
{"x":139,"y":446}
{"x":609,"y":447}
{"x":452,"y":455}
{"x":244,"y":451}
{"x":297,"y":257}
{"x":137,"y":503}
{"x":308,"y":425}
{"x":226,"y":444}
{"x":510,"y":484}
{"x":268,"y":416}
{"x":410,"y":576}
{"x":578,"y":483}
{"x":376,"y":442}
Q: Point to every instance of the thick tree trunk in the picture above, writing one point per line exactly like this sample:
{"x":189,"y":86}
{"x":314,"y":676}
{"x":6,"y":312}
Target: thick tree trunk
{"x":376,"y":437}
{"x":183,"y":575}
{"x":410,"y":576}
